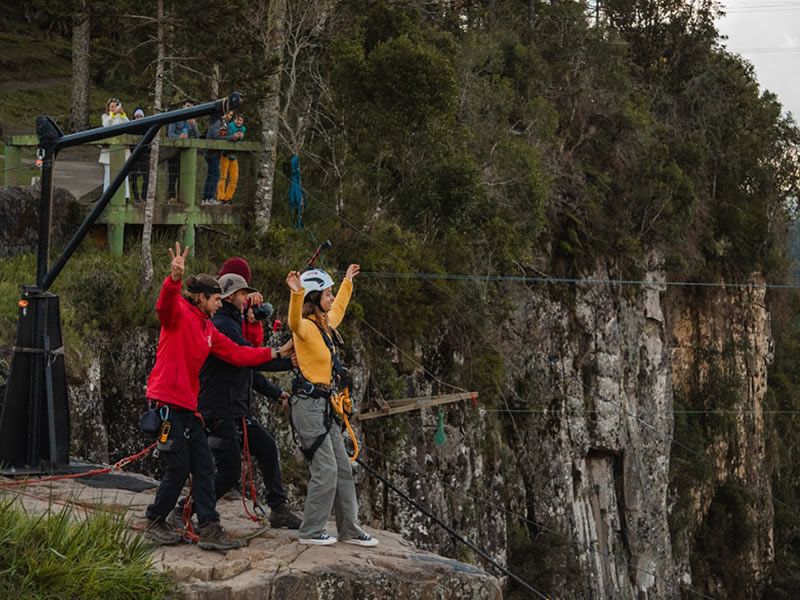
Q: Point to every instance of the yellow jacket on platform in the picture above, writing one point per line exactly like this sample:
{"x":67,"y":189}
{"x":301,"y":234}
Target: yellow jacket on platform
{"x":313,"y":355}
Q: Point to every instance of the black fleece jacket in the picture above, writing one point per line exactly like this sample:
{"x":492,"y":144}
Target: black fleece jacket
{"x":225,"y":390}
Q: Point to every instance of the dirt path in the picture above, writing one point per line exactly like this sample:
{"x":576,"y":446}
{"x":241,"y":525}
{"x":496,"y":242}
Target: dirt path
{"x":79,"y":177}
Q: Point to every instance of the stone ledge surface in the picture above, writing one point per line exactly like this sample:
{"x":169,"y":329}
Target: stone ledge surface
{"x":274,"y":565}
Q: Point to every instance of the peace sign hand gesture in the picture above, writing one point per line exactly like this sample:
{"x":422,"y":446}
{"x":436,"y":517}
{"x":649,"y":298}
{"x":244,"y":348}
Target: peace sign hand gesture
{"x":178,"y":261}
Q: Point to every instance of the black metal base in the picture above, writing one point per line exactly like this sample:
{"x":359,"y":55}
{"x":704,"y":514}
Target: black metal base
{"x":35,"y":423}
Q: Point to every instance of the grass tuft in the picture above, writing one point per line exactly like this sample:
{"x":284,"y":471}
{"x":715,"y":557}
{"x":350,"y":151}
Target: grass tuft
{"x":60,"y":556}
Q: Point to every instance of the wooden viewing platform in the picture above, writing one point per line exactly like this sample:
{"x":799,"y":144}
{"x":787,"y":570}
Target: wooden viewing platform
{"x":187,"y":212}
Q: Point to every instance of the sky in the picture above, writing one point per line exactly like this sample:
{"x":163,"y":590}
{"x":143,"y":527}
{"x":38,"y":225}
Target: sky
{"x":767,"y":34}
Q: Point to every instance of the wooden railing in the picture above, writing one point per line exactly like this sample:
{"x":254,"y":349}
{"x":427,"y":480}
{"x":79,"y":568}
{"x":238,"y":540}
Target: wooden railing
{"x":187,"y":211}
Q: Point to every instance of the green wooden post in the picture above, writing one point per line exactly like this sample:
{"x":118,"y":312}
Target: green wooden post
{"x":188,"y":176}
{"x":116,"y":208}
{"x":188,"y":193}
{"x":12,"y":165}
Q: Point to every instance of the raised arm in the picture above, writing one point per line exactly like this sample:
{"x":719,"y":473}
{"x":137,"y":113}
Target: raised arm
{"x":300,"y":327}
{"x":167,"y":306}
{"x":336,"y":313}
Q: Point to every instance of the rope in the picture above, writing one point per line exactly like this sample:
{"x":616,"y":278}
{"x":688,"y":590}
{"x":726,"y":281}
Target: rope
{"x":412,"y":358}
{"x":188,"y":528}
{"x":577,"y":280}
{"x":494,"y":505}
{"x":450,"y":530}
{"x":115,"y":467}
{"x":247,"y":478}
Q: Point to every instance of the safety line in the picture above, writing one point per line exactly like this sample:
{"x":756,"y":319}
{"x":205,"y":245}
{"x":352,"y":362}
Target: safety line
{"x":578,"y":280}
{"x":702,"y":457}
{"x":581,"y":413}
{"x":116,"y":466}
{"x":412,"y":358}
{"x":450,"y":530}
{"x":585,"y":545}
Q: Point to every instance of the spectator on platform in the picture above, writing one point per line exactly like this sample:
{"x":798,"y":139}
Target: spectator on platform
{"x":217,"y":130}
{"x":228,"y":165}
{"x":181,"y":130}
{"x":141,"y":168}
{"x":114,"y":115}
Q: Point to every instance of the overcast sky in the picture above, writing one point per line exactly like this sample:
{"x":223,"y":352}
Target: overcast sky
{"x":767,"y":34}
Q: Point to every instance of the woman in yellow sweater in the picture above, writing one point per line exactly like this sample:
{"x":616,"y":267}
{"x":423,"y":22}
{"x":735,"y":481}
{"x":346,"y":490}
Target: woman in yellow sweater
{"x":314,"y":314}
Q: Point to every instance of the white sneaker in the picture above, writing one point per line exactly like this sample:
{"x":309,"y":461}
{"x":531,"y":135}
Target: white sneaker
{"x":362,"y":540}
{"x":319,"y":540}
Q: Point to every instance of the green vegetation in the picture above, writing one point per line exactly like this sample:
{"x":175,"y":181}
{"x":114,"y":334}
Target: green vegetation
{"x":59,"y":556}
{"x":24,"y":51}
{"x":484,"y":139}
{"x":724,"y":540}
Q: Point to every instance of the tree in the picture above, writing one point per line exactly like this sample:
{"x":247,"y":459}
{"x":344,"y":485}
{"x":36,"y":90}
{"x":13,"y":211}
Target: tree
{"x":272,"y":44}
{"x":79,"y":107}
{"x":147,"y":254}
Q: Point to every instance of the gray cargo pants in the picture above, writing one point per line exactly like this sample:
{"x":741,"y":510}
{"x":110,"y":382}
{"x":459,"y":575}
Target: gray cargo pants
{"x":331,"y":484}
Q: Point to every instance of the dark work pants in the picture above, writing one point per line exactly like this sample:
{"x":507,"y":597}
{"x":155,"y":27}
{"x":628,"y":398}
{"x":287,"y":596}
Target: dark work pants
{"x":212,"y":176}
{"x":190,"y":454}
{"x":227,"y":443}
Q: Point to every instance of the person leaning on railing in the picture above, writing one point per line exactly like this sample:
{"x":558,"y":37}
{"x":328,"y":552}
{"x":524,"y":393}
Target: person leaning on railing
{"x":114,"y":115}
{"x":180,"y":130}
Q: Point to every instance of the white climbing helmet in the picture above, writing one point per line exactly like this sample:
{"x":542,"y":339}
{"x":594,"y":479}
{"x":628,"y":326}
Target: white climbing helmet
{"x":315,"y":280}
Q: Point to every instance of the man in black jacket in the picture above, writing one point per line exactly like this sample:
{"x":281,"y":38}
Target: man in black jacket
{"x":224,"y":402}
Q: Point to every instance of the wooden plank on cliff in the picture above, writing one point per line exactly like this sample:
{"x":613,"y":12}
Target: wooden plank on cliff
{"x":393,"y":407}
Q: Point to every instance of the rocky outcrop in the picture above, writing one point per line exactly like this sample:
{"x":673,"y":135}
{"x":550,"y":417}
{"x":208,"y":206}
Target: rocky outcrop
{"x":721,"y":349}
{"x":19,"y":218}
{"x":273,"y":564}
{"x":569,"y":474}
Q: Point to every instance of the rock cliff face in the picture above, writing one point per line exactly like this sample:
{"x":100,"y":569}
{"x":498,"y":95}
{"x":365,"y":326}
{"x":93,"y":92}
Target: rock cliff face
{"x":572,"y":476}
{"x":19,"y":216}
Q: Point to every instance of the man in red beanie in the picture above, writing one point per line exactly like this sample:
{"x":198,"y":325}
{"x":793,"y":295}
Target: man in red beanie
{"x":252,"y":329}
{"x":225,"y":393}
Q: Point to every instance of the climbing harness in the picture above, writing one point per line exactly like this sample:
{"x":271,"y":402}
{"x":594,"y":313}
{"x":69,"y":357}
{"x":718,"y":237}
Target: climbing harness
{"x":339,"y":395}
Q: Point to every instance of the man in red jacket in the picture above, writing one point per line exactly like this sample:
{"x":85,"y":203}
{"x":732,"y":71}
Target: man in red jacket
{"x":187,"y":338}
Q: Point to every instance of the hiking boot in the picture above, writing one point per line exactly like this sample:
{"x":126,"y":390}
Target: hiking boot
{"x":362,"y":540}
{"x":159,"y":531}
{"x":175,"y":519}
{"x":322,"y":539}
{"x":282,"y":516}
{"x":213,"y":537}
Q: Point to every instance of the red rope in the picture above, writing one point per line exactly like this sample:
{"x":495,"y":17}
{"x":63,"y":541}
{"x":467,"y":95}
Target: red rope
{"x":247,"y":476}
{"x":116,"y":466}
{"x":187,"y":516}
